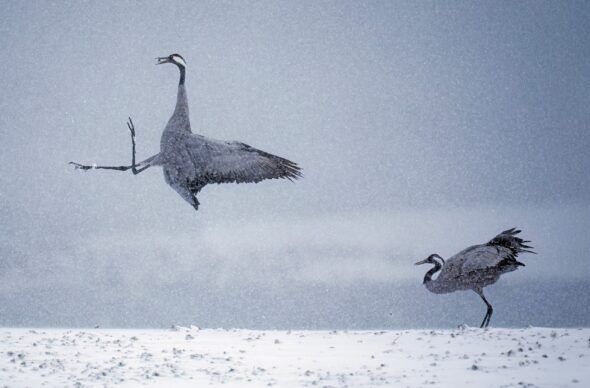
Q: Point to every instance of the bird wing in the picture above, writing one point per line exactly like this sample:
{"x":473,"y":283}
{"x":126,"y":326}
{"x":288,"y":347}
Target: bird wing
{"x":507,"y":239}
{"x":226,"y":162}
{"x":474,"y":263}
{"x":482,"y":257}
{"x":482,"y":264}
{"x":501,"y":251}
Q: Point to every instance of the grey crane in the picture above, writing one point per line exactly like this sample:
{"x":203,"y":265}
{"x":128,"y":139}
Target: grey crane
{"x":476,"y":267}
{"x":191,"y":161}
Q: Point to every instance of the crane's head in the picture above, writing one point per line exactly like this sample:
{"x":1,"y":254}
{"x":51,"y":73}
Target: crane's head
{"x":177,"y":59}
{"x":430,"y":260}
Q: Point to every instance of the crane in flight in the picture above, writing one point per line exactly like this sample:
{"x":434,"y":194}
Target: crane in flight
{"x":476,"y":267}
{"x":191,"y":161}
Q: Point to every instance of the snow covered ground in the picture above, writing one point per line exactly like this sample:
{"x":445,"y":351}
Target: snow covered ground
{"x":189,"y":357}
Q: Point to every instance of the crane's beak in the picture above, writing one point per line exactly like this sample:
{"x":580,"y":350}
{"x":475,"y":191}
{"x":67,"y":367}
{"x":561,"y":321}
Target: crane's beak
{"x":421,"y":262}
{"x":162,"y":60}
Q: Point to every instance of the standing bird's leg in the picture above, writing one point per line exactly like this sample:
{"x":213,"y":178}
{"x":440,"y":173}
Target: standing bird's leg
{"x":488,"y":316}
{"x":133,"y":166}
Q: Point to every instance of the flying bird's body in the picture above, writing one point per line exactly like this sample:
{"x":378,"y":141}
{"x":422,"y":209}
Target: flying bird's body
{"x":191,"y":161}
{"x":476,"y":267}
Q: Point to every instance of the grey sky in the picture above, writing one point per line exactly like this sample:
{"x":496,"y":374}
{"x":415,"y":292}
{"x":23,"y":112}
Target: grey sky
{"x":421,"y":127}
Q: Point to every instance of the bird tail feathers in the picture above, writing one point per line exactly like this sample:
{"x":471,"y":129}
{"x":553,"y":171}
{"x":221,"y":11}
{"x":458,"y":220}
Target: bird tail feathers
{"x":508,"y":239}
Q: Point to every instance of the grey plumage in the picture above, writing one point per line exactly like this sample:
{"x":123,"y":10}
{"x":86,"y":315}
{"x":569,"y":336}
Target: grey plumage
{"x":191,"y":161}
{"x":477,"y":266}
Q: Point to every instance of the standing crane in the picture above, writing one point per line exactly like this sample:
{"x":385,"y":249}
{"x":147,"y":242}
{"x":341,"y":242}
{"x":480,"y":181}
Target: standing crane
{"x":476,"y":267}
{"x":191,"y":161}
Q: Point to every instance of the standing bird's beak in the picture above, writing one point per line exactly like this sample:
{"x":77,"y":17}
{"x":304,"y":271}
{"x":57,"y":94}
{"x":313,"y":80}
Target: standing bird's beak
{"x":421,"y":262}
{"x":162,"y":60}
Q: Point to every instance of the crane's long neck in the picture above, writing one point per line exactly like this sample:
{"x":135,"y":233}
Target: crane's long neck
{"x":182,"y":75}
{"x":181,"y":110}
{"x":432,"y":271}
{"x":432,"y":285}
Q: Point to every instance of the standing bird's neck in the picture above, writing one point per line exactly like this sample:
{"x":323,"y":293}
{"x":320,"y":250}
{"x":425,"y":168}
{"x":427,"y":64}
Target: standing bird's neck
{"x":432,"y":271}
{"x":436,"y":286}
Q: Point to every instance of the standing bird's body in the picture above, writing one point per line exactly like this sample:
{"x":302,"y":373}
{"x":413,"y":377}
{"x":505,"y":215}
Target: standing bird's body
{"x":191,"y":161}
{"x":476,"y":267}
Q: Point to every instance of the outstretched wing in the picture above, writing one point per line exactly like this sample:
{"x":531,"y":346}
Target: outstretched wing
{"x":499,"y":253}
{"x":507,"y":239}
{"x":226,"y":162}
{"x":483,"y":257}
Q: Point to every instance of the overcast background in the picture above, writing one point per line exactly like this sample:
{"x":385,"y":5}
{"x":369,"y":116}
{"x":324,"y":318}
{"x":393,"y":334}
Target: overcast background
{"x":421,"y":127}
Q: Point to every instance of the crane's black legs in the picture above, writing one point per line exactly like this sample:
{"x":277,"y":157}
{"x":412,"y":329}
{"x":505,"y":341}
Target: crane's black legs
{"x":488,"y":316}
{"x":133,"y":166}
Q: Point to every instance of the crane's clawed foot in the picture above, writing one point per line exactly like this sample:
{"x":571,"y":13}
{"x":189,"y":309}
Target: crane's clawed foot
{"x":486,"y":320}
{"x":78,"y":166}
{"x":131,"y":127}
{"x":483,"y":322}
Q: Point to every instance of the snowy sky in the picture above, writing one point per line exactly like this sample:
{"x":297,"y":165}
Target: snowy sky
{"x":421,"y":127}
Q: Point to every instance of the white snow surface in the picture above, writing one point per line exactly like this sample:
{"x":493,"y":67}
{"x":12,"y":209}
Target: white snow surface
{"x":190,"y":357}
